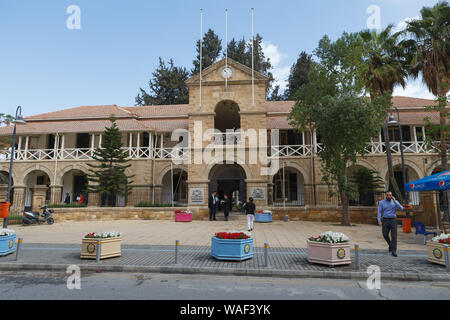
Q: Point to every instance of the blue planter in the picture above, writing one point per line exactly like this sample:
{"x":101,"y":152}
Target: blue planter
{"x":226,"y":249}
{"x":7,"y":244}
{"x":263,"y":217}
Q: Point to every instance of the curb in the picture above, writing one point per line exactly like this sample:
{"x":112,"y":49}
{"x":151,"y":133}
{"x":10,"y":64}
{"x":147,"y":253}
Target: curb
{"x":350,"y":275}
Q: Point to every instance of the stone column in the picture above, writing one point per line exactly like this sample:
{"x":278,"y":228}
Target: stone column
{"x":3,"y":192}
{"x":139,"y":193}
{"x":198,"y":198}
{"x":158,"y":189}
{"x":38,"y":195}
{"x":257,"y":189}
{"x":94,"y":200}
{"x":18,"y":200}
{"x":56,"y":194}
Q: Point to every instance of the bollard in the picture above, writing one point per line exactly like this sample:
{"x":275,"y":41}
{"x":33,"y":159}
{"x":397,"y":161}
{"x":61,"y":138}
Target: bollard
{"x":266,"y":255}
{"x":19,"y":244}
{"x":447,"y":258}
{"x":99,"y":250}
{"x":357,"y":260}
{"x":177,"y":243}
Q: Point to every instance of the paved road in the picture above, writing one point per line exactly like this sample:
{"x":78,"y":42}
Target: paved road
{"x":48,"y":285}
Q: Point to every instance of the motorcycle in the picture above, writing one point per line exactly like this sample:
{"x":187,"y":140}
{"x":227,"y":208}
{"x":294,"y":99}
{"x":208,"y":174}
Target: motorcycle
{"x":31,"y":217}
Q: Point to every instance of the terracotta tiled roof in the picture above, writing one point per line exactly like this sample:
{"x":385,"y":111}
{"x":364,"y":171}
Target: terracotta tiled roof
{"x":165,"y":125}
{"x":83,"y":112}
{"x":159,"y":111}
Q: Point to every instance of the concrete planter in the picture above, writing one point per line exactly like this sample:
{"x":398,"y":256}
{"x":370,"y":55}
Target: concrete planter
{"x":436,"y":253}
{"x":331,"y":254}
{"x":110,"y":247}
{"x":183,"y":217}
{"x":228,"y":249}
{"x":7,"y":244}
{"x":266,"y":216}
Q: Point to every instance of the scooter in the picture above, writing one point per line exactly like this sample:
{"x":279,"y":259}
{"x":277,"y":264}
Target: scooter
{"x":31,"y":217}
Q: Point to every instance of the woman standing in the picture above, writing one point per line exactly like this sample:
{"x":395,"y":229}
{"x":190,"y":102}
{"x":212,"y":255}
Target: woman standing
{"x":250,"y":212}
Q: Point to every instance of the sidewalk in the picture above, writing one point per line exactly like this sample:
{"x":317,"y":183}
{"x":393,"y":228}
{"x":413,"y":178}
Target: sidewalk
{"x":57,"y":246}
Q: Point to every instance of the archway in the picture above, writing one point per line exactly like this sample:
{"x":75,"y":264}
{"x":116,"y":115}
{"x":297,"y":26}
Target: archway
{"x":177,"y":187}
{"x":367,"y":183}
{"x":228,"y":179}
{"x":411,"y":175}
{"x":293,"y":193}
{"x":37,"y":192}
{"x":74,"y":184}
{"x":227,"y":116}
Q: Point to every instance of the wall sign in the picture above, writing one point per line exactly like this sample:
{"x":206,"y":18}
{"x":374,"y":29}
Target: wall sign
{"x":196,"y":196}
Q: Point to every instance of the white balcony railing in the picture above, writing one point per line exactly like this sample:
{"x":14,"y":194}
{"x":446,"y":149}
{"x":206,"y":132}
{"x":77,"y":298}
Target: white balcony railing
{"x":409,"y":147}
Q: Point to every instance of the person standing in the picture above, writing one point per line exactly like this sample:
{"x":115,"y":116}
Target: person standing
{"x":212,"y":205}
{"x":250,"y":212}
{"x":67,"y":199}
{"x":226,"y":206}
{"x":387,"y":209}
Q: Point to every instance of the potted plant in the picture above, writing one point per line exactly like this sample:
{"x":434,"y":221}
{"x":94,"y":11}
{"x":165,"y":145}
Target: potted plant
{"x":330,"y":248}
{"x":183,"y":216}
{"x":110,"y":245}
{"x":233,"y":245}
{"x":7,"y":241}
{"x":263,"y":216}
{"x":435,"y":248}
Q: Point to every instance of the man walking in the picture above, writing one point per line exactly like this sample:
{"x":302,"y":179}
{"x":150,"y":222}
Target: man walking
{"x":212,"y":205}
{"x":226,"y":206}
{"x":387,"y":209}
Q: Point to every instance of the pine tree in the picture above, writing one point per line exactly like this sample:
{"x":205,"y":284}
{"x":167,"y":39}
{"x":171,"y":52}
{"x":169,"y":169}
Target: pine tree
{"x":211,"y":48}
{"x":298,"y":75}
{"x":166,"y":87}
{"x":107,"y":176}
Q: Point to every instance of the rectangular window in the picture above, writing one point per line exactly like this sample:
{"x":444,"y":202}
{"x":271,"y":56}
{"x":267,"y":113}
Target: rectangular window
{"x":83,"y":140}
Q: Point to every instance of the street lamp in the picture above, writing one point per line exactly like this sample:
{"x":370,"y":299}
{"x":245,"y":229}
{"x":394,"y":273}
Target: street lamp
{"x":18,"y":120}
{"x":393,"y":121}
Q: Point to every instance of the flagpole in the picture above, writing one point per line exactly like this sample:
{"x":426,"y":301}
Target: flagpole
{"x":253,"y":72}
{"x":201,"y":44}
{"x":226,"y":45}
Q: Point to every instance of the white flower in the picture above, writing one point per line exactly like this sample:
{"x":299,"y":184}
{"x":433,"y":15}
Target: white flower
{"x":442,"y":236}
{"x":6,"y":232}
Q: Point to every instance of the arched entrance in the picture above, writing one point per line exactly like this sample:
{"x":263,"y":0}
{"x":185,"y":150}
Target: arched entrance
{"x":294,"y":190}
{"x":177,"y":187}
{"x":74,"y":183}
{"x":228,"y":179}
{"x":411,"y":175}
{"x":228,"y":122}
{"x":37,"y":192}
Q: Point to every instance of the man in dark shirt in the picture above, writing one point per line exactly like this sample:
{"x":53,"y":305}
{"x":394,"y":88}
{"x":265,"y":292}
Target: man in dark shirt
{"x":212,"y":205}
{"x":226,"y":206}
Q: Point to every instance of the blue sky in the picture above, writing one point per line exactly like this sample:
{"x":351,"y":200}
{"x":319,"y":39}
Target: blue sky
{"x":44,"y":66}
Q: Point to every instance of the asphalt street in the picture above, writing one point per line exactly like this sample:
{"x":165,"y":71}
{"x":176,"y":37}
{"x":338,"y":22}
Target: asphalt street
{"x":109,"y":285}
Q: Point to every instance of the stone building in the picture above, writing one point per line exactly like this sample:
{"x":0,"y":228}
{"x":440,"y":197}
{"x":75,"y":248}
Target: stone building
{"x":53,"y":149}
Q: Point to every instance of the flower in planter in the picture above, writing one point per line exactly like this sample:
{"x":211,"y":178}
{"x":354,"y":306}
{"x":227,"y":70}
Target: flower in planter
{"x":233,"y":235}
{"x":330,"y":237}
{"x":103,"y":235}
{"x":442,"y":238}
{"x":6,"y":232}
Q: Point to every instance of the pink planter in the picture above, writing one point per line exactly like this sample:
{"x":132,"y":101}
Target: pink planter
{"x":183,"y":217}
{"x":331,"y":254}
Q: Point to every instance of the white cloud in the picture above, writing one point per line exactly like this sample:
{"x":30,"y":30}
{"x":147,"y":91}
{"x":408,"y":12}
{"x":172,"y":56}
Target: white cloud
{"x":415,"y":89}
{"x":401,"y":25}
{"x":279,"y":71}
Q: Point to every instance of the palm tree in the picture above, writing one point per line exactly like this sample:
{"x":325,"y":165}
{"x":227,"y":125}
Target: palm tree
{"x":430,"y":56}
{"x":385,"y":65}
{"x":430,"y":53}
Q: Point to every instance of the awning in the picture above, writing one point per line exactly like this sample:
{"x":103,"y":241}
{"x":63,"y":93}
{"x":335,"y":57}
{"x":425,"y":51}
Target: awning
{"x":438,"y":181}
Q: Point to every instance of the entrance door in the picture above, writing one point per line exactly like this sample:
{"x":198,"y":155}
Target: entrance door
{"x":229,"y":179}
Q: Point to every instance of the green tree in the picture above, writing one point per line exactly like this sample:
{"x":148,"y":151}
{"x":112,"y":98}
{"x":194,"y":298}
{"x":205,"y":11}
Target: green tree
{"x":107,"y":176}
{"x":385,"y":65}
{"x":430,"y":50}
{"x":275,"y":95}
{"x":367,"y":184}
{"x":334,"y":105}
{"x":166,"y":87}
{"x":298,"y":75}
{"x":211,"y":48}
{"x":5,"y":119}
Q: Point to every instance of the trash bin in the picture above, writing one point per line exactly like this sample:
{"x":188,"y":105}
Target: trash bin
{"x":4,"y":209}
{"x":407,"y":225}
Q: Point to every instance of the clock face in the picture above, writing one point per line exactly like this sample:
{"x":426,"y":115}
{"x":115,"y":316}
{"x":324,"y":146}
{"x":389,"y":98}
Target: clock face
{"x":226,"y":73}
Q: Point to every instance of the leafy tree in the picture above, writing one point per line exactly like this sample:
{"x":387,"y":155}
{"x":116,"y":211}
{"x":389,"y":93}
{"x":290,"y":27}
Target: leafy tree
{"x":275,"y":95}
{"x":298,"y":75}
{"x":333,"y":104}
{"x":430,"y":50}
{"x":166,"y":87}
{"x":5,"y":119}
{"x":108,"y":176}
{"x":211,"y":48}
{"x":385,"y":65}
{"x":367,"y":184}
